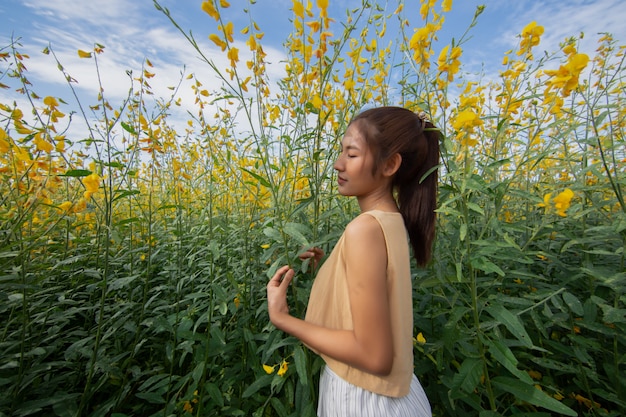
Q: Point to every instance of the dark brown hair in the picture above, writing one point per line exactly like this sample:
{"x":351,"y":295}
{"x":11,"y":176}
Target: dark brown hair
{"x":391,"y":130}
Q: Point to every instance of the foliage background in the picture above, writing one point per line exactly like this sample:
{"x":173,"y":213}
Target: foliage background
{"x":133,"y":261}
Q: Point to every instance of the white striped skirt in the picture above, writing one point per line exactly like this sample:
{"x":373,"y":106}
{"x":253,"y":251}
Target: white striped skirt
{"x":338,"y":398}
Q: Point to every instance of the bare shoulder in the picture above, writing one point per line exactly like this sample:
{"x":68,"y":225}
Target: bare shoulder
{"x":364,"y":229}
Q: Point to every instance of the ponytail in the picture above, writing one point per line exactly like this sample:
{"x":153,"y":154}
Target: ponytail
{"x":417,"y":199}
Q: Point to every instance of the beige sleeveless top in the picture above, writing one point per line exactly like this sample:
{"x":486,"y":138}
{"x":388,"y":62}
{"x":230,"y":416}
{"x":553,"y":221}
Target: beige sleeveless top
{"x":329,"y":306}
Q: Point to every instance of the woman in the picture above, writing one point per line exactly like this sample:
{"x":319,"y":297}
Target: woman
{"x":360,"y":314}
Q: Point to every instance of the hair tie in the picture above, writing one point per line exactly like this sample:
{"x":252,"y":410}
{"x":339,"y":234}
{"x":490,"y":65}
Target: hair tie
{"x":423,"y":118}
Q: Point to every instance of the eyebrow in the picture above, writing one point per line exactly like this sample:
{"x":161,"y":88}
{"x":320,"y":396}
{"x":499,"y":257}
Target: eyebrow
{"x":351,"y":147}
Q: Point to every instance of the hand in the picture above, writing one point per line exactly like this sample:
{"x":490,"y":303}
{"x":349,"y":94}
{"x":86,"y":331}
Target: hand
{"x":277,"y":294}
{"x":315,"y":254}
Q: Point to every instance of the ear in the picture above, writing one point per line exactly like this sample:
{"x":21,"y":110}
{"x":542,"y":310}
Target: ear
{"x":392,"y":164}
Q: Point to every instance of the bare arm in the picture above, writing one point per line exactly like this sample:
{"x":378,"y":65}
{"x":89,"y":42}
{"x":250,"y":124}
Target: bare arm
{"x":369,"y":345}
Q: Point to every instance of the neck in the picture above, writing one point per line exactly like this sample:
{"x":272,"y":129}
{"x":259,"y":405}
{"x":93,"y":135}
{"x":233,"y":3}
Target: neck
{"x":382,"y":203}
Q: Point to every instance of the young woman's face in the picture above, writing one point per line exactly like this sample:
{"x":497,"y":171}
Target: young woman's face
{"x":355,"y":164}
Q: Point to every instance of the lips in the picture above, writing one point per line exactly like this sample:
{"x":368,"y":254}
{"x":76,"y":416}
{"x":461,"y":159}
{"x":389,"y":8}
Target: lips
{"x":341,"y":180}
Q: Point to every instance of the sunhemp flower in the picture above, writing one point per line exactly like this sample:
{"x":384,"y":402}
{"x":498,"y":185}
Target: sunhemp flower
{"x":566,"y":77}
{"x":464,"y":124}
{"x":92,"y":183}
{"x":269,"y":369}
{"x":531,"y":36}
{"x":42,"y":144}
{"x":284,"y":365}
{"x":420,"y":43}
{"x":561,"y":202}
{"x":449,"y":63}
{"x":209,"y":8}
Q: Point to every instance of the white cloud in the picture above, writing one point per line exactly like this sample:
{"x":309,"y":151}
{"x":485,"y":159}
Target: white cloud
{"x":130,"y":34}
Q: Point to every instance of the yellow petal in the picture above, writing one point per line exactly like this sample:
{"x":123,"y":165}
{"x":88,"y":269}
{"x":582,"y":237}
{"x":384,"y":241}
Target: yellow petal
{"x":83,"y":54}
{"x":298,"y":9}
{"x":51,"y":102}
{"x":209,"y":8}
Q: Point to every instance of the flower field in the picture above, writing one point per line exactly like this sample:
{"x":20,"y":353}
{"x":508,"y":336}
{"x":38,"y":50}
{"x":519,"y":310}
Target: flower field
{"x":134,"y":259}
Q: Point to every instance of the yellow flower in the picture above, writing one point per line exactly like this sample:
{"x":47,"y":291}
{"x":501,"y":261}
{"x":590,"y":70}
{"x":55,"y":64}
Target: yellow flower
{"x":562,"y":202}
{"x":83,"y":54}
{"x":449,"y":64}
{"x":4,"y":143}
{"x":92,"y":183}
{"x":188,"y":407}
{"x":298,"y":9}
{"x":420,"y":338}
{"x":209,"y":8}
{"x":42,"y":144}
{"x":228,"y":31}
{"x":420,"y":43}
{"x":265,"y":245}
{"x":269,"y":369}
{"x":233,"y":55}
{"x":466,"y":119}
{"x":50,"y":101}
{"x":464,"y":123}
{"x":531,"y":36}
{"x":283,"y":368}
{"x":65,"y":206}
{"x":218,"y":41}
{"x":317,"y":102}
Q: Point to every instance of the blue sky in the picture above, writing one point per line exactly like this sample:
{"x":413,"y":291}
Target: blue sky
{"x":132,"y":30}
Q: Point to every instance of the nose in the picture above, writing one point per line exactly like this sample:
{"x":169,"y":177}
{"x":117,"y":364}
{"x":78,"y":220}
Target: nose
{"x":338,"y":165}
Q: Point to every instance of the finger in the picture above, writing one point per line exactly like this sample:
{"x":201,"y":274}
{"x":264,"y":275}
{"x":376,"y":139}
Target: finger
{"x":287,"y":278}
{"x":278,"y":276}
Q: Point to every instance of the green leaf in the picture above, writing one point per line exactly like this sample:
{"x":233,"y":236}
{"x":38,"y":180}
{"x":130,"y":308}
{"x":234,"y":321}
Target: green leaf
{"x":573,"y":303}
{"x":259,"y":178}
{"x":532,"y":395}
{"x":76,"y":173}
{"x":215,"y":393}
{"x":273,"y":234}
{"x":297,"y":232}
{"x":475,"y":207}
{"x":462,"y":232}
{"x":511,"y":322}
{"x":279,"y":407}
{"x":197,"y":372}
{"x":125,"y":193}
{"x":469,"y":375}
{"x":261,"y":382}
{"x":487,"y":266}
{"x":300,"y":360}
{"x":128,"y":128}
{"x":506,"y":358}
{"x":151,"y":397}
